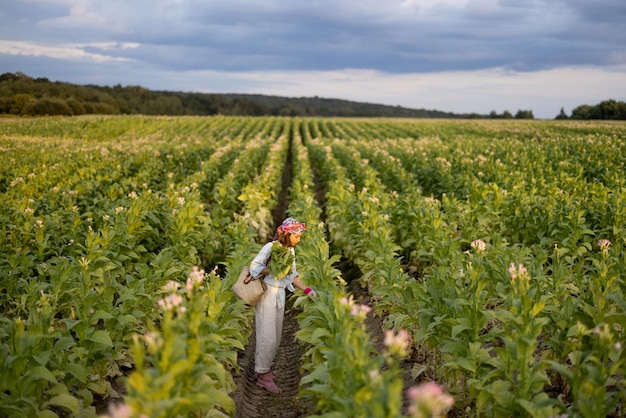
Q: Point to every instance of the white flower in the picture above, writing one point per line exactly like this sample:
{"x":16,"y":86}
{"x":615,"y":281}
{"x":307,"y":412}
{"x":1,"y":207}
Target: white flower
{"x":479,"y":245}
{"x":16,"y":181}
{"x":604,"y":245}
{"x":171,"y":302}
{"x":171,"y":286}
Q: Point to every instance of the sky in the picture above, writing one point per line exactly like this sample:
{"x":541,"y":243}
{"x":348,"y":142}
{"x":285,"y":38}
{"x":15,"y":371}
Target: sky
{"x":460,"y":56}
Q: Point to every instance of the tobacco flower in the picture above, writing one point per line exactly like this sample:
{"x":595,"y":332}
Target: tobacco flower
{"x":397,"y":343}
{"x":479,"y":245}
{"x":428,"y":400}
{"x":604,"y":245}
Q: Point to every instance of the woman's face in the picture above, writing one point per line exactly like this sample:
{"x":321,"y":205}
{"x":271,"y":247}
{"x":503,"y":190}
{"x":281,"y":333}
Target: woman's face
{"x":294,"y":239}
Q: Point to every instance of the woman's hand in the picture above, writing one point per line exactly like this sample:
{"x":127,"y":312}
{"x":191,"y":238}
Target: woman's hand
{"x":310,"y":292}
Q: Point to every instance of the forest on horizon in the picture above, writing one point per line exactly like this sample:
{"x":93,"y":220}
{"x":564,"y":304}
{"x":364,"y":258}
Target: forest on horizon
{"x":22,"y":95}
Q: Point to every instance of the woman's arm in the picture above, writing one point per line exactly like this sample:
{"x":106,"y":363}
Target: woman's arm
{"x":298,"y":283}
{"x":258,"y":266}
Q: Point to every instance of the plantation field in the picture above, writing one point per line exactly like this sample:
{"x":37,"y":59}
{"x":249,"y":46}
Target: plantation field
{"x":484,"y":255}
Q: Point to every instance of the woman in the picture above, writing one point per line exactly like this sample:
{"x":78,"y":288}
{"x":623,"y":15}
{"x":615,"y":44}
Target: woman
{"x":276,"y":261}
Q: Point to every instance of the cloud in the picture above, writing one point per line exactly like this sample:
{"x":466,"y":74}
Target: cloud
{"x":443,"y":54}
{"x":69,"y":52}
{"x":393,"y":36}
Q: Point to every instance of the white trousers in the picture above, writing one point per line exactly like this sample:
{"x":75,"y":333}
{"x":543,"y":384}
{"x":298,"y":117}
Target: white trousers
{"x":270,"y":312}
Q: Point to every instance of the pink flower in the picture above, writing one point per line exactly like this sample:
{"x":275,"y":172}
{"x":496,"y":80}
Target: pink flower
{"x":196,"y":276}
{"x":120,"y":410}
{"x":171,"y":302}
{"x":346,"y":301}
{"x":428,"y":400}
{"x":360,"y":310}
{"x":397,"y":343}
{"x":518,"y":271}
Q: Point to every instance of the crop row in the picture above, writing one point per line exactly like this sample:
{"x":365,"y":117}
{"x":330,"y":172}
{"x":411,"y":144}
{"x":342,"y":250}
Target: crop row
{"x":498,"y":246}
{"x":94,"y":234}
{"x":512,"y":302}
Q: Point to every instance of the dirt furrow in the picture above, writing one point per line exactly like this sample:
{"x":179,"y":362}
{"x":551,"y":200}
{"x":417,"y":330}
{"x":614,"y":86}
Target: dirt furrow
{"x":252,"y":401}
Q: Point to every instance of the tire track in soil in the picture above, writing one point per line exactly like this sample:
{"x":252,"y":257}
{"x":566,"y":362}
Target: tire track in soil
{"x":253,"y":401}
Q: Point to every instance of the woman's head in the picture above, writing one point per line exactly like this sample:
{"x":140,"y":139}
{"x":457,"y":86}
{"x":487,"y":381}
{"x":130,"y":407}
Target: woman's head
{"x":289,"y":232}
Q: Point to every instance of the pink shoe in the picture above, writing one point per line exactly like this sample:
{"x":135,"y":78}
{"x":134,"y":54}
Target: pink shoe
{"x":266,"y":381}
{"x":257,"y":375}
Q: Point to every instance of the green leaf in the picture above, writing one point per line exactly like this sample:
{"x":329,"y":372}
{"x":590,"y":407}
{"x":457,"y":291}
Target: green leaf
{"x":78,"y":371}
{"x":71,"y":323}
{"x":64,"y":343}
{"x":126,"y":319}
{"x":40,"y":372}
{"x":100,"y":387}
{"x":318,"y":334}
{"x":535,"y":410}
{"x":458,"y":328}
{"x":42,"y":358}
{"x":466,"y":364}
{"x":100,"y":314}
{"x":101,"y":337}
{"x":65,"y":401}
{"x":126,"y":296}
{"x":537,"y":308}
{"x":46,"y":414}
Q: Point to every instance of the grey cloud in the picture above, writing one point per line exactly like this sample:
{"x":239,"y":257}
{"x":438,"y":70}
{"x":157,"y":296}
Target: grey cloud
{"x":323,"y":35}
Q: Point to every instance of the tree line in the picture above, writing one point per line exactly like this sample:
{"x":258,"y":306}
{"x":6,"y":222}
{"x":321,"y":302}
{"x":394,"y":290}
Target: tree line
{"x":22,"y":95}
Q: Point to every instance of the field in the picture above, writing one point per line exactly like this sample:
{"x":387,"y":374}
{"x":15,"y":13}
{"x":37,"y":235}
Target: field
{"x":485,"y":256}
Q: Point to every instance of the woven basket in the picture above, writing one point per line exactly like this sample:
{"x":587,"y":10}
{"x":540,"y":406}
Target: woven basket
{"x":248,"y":288}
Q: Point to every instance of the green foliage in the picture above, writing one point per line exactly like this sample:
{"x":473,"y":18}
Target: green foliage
{"x":514,"y":199}
{"x":281,"y":260}
{"x":608,"y":109}
{"x":182,"y":369}
{"x":100,"y":213}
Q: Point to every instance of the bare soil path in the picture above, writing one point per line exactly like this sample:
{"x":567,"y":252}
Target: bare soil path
{"x":252,"y":401}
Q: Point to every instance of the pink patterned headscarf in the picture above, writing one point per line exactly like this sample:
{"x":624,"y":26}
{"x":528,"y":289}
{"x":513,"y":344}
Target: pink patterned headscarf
{"x":291,"y":226}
